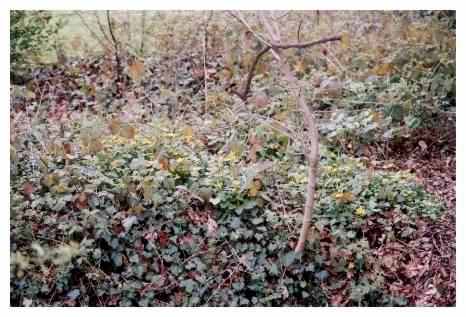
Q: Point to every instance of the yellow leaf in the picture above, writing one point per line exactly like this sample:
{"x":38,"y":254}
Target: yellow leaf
{"x":148,"y":189}
{"x":147,"y":141}
{"x":114,"y":126}
{"x":360,"y":212}
{"x":128,"y":131}
{"x":55,"y":149}
{"x":232,"y":156}
{"x":188,"y":134}
{"x":345,"y":41}
{"x":50,"y":180}
{"x":165,"y":93}
{"x":30,"y":94}
{"x":255,"y":187}
{"x":95,"y":146}
{"x":384,"y":69}
{"x":131,"y":188}
{"x":226,"y":74}
{"x":230,"y":60}
{"x":138,"y":209}
{"x":60,"y":188}
{"x":117,"y":163}
{"x":376,"y":117}
{"x":247,"y":60}
{"x":281,"y":116}
{"x":343,"y":197}
{"x":262,"y":69}
{"x":300,"y":66}
{"x":136,"y":70}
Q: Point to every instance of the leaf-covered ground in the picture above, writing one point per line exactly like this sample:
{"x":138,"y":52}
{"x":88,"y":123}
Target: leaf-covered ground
{"x":145,"y":193}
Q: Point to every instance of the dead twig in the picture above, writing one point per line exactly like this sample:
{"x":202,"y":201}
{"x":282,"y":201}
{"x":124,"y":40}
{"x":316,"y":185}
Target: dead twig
{"x":99,"y":39}
{"x":143,"y":31}
{"x":204,"y":48}
{"x":307,"y":44}
{"x":243,"y":94}
{"x":101,"y":27}
{"x":117,"y":54}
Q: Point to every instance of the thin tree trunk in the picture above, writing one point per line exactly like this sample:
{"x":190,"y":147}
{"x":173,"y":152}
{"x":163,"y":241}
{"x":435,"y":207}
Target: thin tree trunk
{"x":143,"y":33}
{"x":312,"y":151}
{"x":116,"y":45}
{"x":128,"y":27}
{"x":204,"y":49}
{"x":311,"y":142}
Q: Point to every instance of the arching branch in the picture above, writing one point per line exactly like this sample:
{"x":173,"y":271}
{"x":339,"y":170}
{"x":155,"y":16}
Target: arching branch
{"x":247,"y":86}
{"x":245,"y":89}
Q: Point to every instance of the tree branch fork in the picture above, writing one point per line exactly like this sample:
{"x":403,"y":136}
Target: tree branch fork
{"x":243,"y":94}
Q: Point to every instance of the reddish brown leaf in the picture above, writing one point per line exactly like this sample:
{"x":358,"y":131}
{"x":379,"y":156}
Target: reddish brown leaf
{"x":67,"y":148}
{"x":136,"y":70}
{"x":164,"y":164}
{"x":81,"y":201}
{"x":114,"y":126}
{"x":128,"y":132}
{"x":28,"y":189}
{"x":163,"y":239}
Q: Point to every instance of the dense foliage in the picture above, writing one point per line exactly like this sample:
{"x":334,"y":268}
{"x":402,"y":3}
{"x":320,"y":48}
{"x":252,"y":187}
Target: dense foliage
{"x":156,"y":217}
{"x":31,"y":35}
{"x":161,"y":188}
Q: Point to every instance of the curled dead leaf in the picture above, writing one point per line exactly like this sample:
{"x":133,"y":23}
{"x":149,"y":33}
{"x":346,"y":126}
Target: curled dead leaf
{"x":345,"y":40}
{"x":81,"y":201}
{"x":343,"y":197}
{"x":164,"y":163}
{"x":28,"y":189}
{"x":128,"y":131}
{"x":255,"y":187}
{"x":136,"y":70}
{"x":383,"y":69}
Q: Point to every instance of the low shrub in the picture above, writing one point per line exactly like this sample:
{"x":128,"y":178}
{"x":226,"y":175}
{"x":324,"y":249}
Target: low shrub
{"x":153,"y":217}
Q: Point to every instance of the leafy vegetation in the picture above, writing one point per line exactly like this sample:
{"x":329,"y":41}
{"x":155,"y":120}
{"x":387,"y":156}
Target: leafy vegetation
{"x":146,"y":182}
{"x":31,"y":34}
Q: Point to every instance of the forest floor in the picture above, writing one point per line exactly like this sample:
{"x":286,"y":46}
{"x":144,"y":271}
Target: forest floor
{"x":435,"y":247}
{"x":157,"y":186}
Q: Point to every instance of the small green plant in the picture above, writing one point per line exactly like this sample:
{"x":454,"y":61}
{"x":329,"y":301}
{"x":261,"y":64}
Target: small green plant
{"x":31,"y":34}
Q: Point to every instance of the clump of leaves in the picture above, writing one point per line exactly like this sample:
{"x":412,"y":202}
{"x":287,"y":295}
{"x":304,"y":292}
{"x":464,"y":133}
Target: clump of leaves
{"x":158,"y":218}
{"x":31,"y":34}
